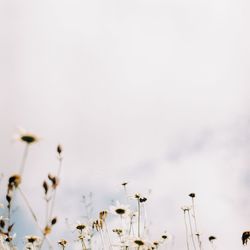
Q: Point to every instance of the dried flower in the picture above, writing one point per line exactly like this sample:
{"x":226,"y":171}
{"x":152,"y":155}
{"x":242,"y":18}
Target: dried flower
{"x":32,"y":239}
{"x":103,"y":215}
{"x":80,"y":227}
{"x":62,"y":243}
{"x":54,"y":180}
{"x":192,"y":195}
{"x":59,"y":149}
{"x":164,"y":236}
{"x":47,"y":230}
{"x":45,"y":187}
{"x":245,"y":237}
{"x":14,"y":180}
{"x":211,"y":238}
{"x":53,"y":221}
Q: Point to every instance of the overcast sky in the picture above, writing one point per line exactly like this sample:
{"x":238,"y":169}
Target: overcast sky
{"x":151,"y":92}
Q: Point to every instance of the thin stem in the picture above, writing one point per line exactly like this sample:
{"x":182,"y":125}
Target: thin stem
{"x":83,"y":244}
{"x":24,"y":158}
{"x":102,"y":239}
{"x":54,"y":195}
{"x":107,"y":232}
{"x":195,"y":224}
{"x":33,"y":215}
{"x":186,"y":228}
{"x":139,"y":218}
{"x":191,"y":230}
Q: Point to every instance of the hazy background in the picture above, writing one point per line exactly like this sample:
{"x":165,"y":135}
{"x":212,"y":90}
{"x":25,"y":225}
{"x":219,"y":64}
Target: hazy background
{"x":146,"y":91}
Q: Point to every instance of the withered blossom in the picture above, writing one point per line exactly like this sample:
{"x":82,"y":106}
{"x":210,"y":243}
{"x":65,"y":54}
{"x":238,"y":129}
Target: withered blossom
{"x":62,"y":243}
{"x":54,"y":180}
{"x":192,"y":195}
{"x":103,"y":215}
{"x":14,"y":181}
{"x":245,"y":237}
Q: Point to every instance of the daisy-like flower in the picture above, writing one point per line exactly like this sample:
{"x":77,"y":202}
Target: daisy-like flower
{"x":186,"y":208}
{"x":139,"y":243}
{"x":120,"y":209}
{"x":26,"y":137}
{"x":33,"y":239}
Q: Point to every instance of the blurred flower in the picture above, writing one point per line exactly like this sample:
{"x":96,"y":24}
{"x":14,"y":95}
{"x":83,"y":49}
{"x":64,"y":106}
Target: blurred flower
{"x":211,"y":238}
{"x":192,"y":195}
{"x":186,"y":208}
{"x":120,"y":209}
{"x":26,"y":137}
{"x":245,"y":237}
{"x":32,"y":239}
{"x":62,"y":243}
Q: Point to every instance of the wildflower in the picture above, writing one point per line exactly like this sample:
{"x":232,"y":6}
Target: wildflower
{"x":26,"y":137}
{"x":144,"y":199}
{"x":164,"y":236}
{"x":245,"y":237}
{"x":47,"y":230}
{"x":118,"y":231}
{"x":137,"y":196}
{"x":32,"y":240}
{"x":14,"y":181}
{"x":81,"y":227}
{"x":45,"y":187}
{"x":139,"y":242}
{"x":103,"y":215}
{"x":186,"y":208}
{"x":211,"y":238}
{"x":97,"y":224}
{"x":192,"y":195}
{"x":120,"y":209}
{"x":53,"y":221}
{"x":59,"y":149}
{"x":62,"y":243}
{"x":54,"y":180}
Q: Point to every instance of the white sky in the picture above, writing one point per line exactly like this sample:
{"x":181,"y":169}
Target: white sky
{"x":153,"y":92}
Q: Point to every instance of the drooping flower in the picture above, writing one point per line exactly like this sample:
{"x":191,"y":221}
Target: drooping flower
{"x":245,"y":237}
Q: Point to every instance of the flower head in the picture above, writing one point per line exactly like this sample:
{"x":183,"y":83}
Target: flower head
{"x":33,"y":240}
{"x":120,"y":209}
{"x":186,"y":208}
{"x":192,"y":195}
{"x":245,"y":237}
{"x":62,"y":243}
{"x":211,"y":238}
{"x":26,"y":137}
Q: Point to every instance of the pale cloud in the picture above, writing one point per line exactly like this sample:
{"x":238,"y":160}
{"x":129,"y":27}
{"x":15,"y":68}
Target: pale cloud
{"x":153,"y":92}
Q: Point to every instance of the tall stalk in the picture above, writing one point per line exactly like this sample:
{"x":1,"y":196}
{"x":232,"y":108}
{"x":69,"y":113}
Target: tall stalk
{"x":186,"y":228}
